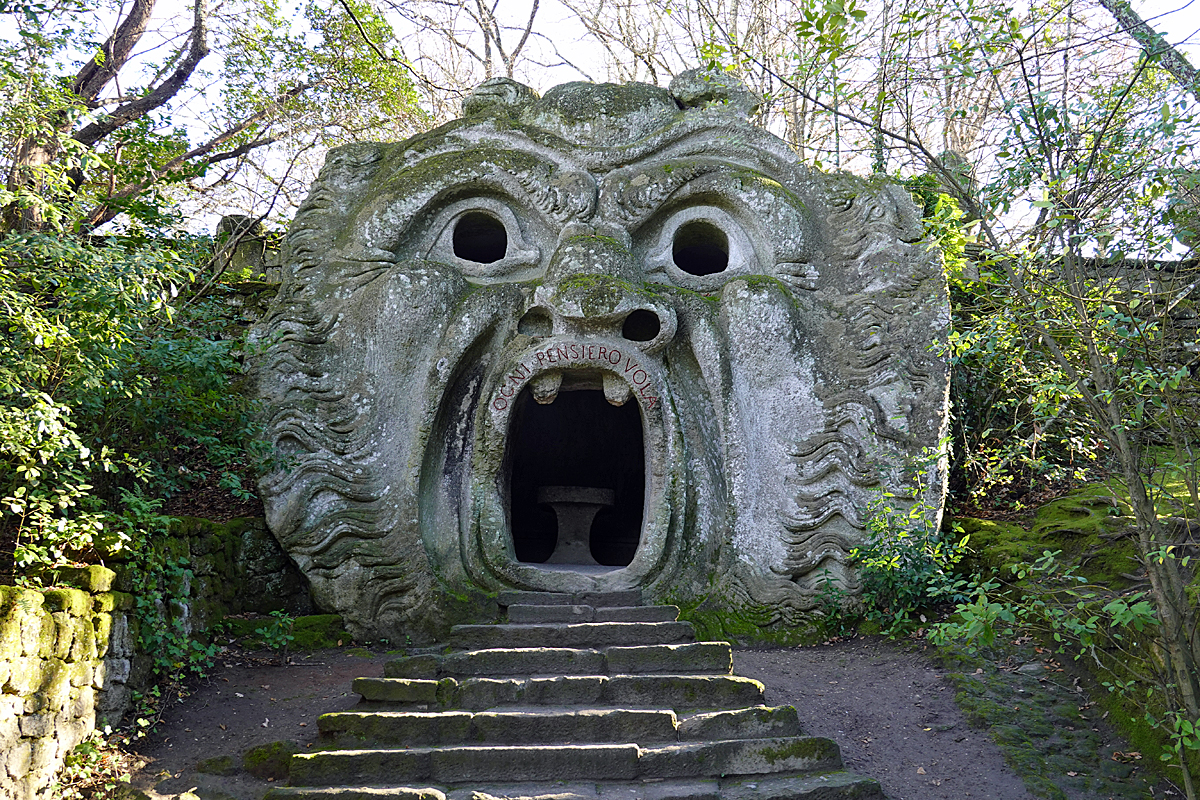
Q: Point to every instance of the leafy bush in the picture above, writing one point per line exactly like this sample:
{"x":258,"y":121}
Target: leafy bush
{"x":907,"y":565}
{"x":116,"y":383}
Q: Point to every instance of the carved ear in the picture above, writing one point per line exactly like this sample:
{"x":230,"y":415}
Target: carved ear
{"x":498,"y":92}
{"x":709,"y":88}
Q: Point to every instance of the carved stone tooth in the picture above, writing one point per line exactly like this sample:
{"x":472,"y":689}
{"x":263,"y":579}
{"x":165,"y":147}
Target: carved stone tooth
{"x":616,"y":391}
{"x":545,"y":386}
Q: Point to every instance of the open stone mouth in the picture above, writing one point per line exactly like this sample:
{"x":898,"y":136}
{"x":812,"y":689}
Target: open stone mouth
{"x":576,"y":470}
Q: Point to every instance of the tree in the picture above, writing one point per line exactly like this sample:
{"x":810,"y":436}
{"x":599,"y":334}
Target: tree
{"x":97,"y":125}
{"x":1074,"y":222}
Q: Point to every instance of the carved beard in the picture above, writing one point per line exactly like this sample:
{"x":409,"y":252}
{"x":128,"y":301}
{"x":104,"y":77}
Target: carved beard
{"x":686,"y":339}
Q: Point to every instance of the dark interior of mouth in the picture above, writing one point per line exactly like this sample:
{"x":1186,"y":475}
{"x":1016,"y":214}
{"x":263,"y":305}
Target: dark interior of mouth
{"x":579,"y":440}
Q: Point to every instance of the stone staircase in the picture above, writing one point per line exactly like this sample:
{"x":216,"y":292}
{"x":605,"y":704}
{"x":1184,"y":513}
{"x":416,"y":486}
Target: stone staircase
{"x":590,"y":696}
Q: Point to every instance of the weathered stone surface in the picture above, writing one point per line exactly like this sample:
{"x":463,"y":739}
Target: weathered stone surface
{"x":760,"y":722}
{"x":615,"y":338}
{"x":594,"y":634}
{"x":696,"y":657}
{"x":397,"y":690}
{"x":740,"y":757}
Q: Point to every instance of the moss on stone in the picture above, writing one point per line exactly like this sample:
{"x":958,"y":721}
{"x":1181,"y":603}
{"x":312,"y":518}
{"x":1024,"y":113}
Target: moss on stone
{"x":218,"y":765}
{"x":270,"y":761}
{"x":318,"y":631}
{"x":75,"y":602}
{"x":94,"y":578}
{"x":746,"y":627}
{"x":801,"y":747}
{"x":994,"y":545}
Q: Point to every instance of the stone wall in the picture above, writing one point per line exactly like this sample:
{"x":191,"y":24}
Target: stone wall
{"x":66,"y":658}
{"x":69,"y":657}
{"x":238,"y":567}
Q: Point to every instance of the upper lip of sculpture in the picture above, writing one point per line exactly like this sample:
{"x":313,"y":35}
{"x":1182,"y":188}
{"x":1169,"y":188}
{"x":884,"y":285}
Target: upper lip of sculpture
{"x":595,"y":365}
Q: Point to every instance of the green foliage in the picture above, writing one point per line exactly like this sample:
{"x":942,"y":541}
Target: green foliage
{"x":86,"y":146}
{"x":277,"y":633}
{"x":94,"y":768}
{"x":907,"y":565}
{"x":114,"y":386}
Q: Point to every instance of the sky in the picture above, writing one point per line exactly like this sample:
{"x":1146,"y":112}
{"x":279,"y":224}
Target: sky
{"x":1180,"y":22}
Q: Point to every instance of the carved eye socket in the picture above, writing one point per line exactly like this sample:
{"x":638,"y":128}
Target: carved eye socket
{"x":700,"y":248}
{"x":485,"y":239}
{"x":480,"y":237}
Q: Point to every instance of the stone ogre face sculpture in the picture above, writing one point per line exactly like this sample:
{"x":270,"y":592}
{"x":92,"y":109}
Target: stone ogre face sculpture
{"x":613,"y":337}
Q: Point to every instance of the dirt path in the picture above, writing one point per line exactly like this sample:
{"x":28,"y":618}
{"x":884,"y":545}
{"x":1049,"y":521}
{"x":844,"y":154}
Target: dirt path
{"x":892,"y":711}
{"x":893,"y":714}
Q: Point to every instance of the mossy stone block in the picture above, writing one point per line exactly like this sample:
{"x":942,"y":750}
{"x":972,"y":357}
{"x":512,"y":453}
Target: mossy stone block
{"x":101,"y":631}
{"x":1087,"y":512}
{"x":64,"y":634}
{"x":10,"y":638}
{"x":83,"y":640}
{"x":92,"y":579}
{"x":37,"y":635}
{"x":75,"y":602}
{"x":994,"y":545}
{"x":27,"y":675}
{"x":15,"y":601}
{"x":318,"y":631}
{"x":243,"y":628}
{"x":218,"y":765}
{"x":56,"y":686}
{"x":270,"y":761}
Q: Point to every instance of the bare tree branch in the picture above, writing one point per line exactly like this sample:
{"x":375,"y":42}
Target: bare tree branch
{"x":138,"y":108}
{"x":382,"y":56}
{"x":96,"y":74}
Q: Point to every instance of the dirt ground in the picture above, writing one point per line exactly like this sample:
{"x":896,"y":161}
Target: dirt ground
{"x":891,"y":709}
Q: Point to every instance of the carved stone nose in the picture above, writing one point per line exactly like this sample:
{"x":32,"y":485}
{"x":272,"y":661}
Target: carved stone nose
{"x":593,"y":287}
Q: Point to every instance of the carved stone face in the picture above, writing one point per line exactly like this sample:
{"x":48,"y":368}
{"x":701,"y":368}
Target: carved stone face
{"x":614,"y":337}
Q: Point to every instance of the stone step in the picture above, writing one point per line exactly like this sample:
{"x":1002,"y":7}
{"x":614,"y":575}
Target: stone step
{"x":536,"y":614}
{"x":715,"y":759}
{"x":691,"y":658}
{"x":513,"y":597}
{"x":547,"y":725}
{"x":473,"y":764}
{"x":521,"y":726}
{"x":756,"y":722}
{"x":826,"y":786}
{"x":587,"y":634}
{"x":465,"y":764}
{"x":637,"y":691}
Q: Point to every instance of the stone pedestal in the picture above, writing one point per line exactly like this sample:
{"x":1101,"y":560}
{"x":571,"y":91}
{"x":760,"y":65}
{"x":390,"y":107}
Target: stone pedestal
{"x":575,"y":507}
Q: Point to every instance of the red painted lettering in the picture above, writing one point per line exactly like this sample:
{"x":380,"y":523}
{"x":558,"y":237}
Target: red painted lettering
{"x":603,"y":350}
{"x":644,"y":379}
{"x":591,"y":351}
{"x":614,"y":357}
{"x":562,"y":353}
{"x":552,"y":356}
{"x":499,"y":404}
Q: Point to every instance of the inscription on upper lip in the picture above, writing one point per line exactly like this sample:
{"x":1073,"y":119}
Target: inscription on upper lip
{"x":623,"y":372}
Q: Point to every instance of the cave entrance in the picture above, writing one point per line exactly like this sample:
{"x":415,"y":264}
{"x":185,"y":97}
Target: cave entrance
{"x":577,"y":477}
